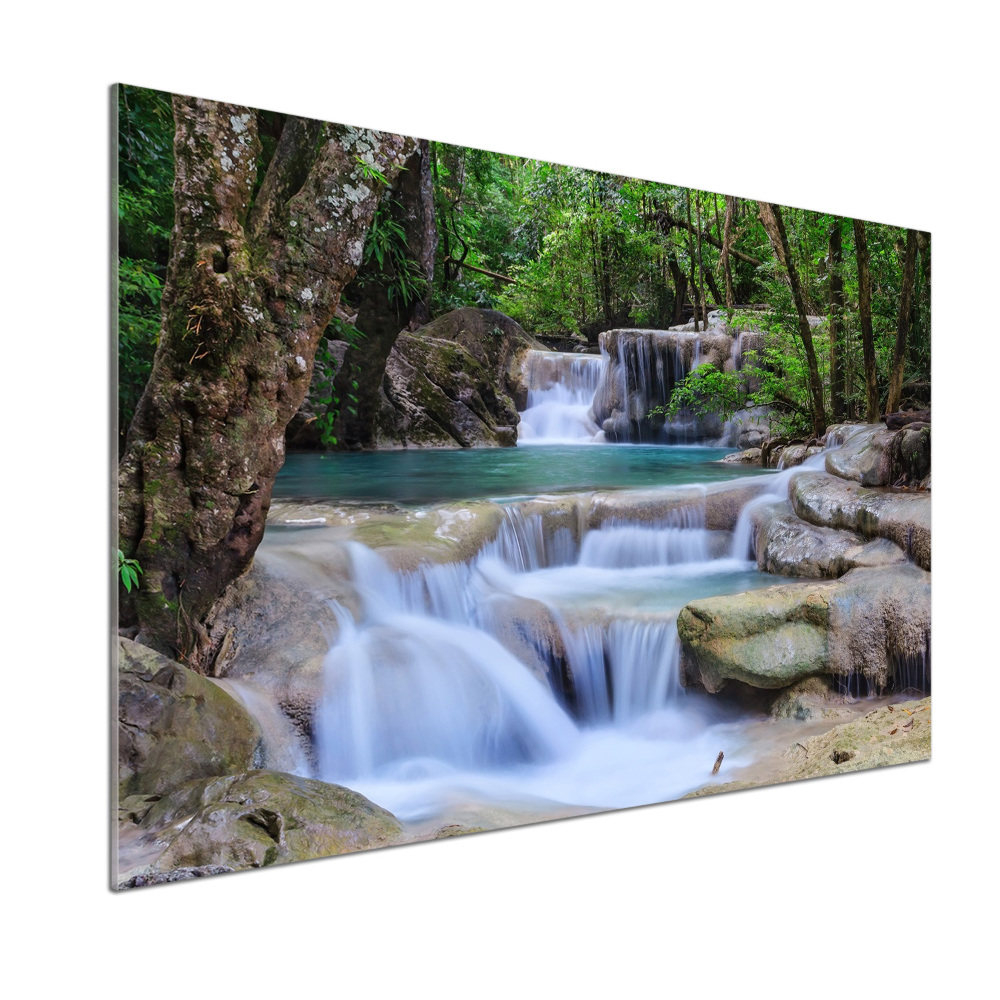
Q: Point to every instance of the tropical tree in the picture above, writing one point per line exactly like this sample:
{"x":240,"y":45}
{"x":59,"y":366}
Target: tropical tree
{"x":260,"y":251}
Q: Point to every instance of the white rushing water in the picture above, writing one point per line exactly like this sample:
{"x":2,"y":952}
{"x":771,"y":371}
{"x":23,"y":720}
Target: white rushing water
{"x":427,"y":706}
{"x":561,"y":390}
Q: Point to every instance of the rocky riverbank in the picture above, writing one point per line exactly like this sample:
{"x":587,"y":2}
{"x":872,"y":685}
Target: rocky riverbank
{"x":217,"y":773}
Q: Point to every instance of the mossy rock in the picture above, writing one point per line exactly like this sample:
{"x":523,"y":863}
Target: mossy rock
{"x":263,"y":818}
{"x":175,"y":725}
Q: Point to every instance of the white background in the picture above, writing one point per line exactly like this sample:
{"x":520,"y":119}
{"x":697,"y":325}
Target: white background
{"x":874,"y":883}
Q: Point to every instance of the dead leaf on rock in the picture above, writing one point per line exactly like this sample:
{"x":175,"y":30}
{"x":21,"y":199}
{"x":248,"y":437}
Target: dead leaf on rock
{"x":892,"y":732}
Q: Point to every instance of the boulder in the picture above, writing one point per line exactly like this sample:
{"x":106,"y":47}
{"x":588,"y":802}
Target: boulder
{"x":880,"y":627}
{"x":263,"y":818}
{"x":279,"y":625}
{"x":871,"y":624}
{"x":795,"y":454}
{"x":749,"y":456}
{"x":768,"y":638}
{"x":175,"y":725}
{"x":813,"y":698}
{"x":497,"y":342}
{"x":436,"y":394}
{"x":873,"y":455}
{"x":788,"y":546}
{"x":832,"y":502}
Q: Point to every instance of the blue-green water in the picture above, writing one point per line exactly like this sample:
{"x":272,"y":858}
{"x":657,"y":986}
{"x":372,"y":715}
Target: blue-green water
{"x":429,"y":475}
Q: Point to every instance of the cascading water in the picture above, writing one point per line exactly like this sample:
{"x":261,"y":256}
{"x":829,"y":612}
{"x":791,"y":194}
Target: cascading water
{"x":744,"y":540}
{"x":545,"y":670}
{"x":561,"y":389}
{"x":426,"y":706}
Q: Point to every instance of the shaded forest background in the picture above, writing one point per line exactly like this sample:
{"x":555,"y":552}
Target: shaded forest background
{"x":569,"y":252}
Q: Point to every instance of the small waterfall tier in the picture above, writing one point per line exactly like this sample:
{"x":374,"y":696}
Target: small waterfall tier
{"x":561,"y":388}
{"x":643,"y":368}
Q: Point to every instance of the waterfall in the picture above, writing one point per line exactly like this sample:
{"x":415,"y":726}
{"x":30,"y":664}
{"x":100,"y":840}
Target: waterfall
{"x":744,"y":538}
{"x":561,"y":389}
{"x":281,"y":745}
{"x":427,"y":698}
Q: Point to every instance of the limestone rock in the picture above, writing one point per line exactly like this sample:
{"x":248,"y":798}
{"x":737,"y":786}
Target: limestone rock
{"x":175,"y":725}
{"x":644,"y":366}
{"x":436,"y":394}
{"x":812,"y":698}
{"x":873,"y":455}
{"x":903,"y":518}
{"x":871,"y":623}
{"x":749,"y":456}
{"x":768,"y":638}
{"x":262,"y":818}
{"x":795,"y":454}
{"x":788,"y":546}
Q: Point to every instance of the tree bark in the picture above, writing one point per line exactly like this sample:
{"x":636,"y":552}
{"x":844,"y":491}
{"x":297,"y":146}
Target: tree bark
{"x":694,"y":280}
{"x":836,"y":323}
{"x":247,"y":297}
{"x":815,"y":385}
{"x":670,"y":222}
{"x":865,"y":316}
{"x":769,"y":216}
{"x":902,"y":324}
{"x":680,"y":288}
{"x":727,"y":240}
{"x":701,"y":265}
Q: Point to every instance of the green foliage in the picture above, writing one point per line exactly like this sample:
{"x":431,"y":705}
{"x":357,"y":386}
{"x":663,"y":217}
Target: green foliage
{"x":394,"y":269}
{"x":128,"y":571}
{"x":324,"y":372}
{"x":145,"y":214}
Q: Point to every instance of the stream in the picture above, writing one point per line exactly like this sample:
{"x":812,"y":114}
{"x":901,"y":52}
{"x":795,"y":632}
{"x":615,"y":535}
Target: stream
{"x":542,"y":673}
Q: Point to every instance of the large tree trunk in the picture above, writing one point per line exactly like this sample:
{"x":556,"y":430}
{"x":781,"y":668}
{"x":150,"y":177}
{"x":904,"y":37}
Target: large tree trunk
{"x":836,"y":323}
{"x":865,"y":316}
{"x":902,"y":324}
{"x":380,"y":319}
{"x":247,"y":297}
{"x":727,"y":240}
{"x":815,"y":385}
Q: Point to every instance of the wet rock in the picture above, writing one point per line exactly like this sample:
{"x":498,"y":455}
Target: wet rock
{"x":903,"y":518}
{"x":263,"y":818}
{"x":715,"y":507}
{"x":725,"y":501}
{"x":871,"y":623}
{"x":795,"y":454}
{"x":788,"y":546}
{"x":749,"y":456}
{"x":768,"y":638}
{"x":281,"y":626}
{"x":436,"y":394}
{"x":874,"y":455}
{"x":880,"y":626}
{"x":177,"y":875}
{"x":812,"y":698}
{"x":174,"y":725}
{"x":644,"y":366}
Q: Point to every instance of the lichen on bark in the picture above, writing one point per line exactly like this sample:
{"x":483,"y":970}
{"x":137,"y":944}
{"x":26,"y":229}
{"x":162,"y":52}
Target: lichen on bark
{"x":250,"y":289}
